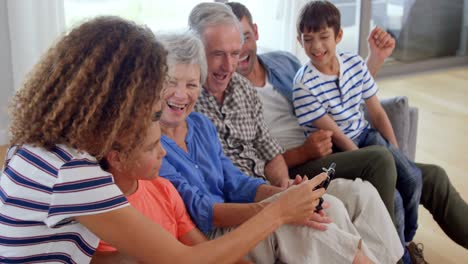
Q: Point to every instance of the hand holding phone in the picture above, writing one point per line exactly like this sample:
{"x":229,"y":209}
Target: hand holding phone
{"x":330,"y":174}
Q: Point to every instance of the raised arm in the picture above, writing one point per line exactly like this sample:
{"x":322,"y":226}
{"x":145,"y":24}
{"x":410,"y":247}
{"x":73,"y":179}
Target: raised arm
{"x":133,"y":234}
{"x":381,"y":46}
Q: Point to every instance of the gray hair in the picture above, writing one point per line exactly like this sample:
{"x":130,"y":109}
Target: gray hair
{"x":185,"y":47}
{"x":211,"y":14}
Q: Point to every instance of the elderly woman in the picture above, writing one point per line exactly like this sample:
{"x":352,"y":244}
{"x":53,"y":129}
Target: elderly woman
{"x":220,"y":197}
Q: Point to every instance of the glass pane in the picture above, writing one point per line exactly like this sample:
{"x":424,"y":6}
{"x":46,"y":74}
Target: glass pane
{"x":423,"y":29}
{"x":350,"y":14}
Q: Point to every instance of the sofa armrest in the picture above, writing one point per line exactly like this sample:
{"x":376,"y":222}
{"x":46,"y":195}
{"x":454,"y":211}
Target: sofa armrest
{"x":404,"y":120}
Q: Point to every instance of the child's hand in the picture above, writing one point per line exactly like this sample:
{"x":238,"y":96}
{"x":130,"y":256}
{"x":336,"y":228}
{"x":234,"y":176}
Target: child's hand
{"x":381,"y":44}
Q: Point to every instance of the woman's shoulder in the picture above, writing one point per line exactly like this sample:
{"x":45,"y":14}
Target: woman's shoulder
{"x":200,"y":121}
{"x":57,"y":156}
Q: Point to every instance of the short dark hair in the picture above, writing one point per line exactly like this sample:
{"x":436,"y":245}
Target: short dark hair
{"x":316,"y":15}
{"x":240,"y":11}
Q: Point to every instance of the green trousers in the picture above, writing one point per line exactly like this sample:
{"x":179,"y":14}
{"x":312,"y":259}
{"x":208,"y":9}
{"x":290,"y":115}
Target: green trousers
{"x":375,"y":164}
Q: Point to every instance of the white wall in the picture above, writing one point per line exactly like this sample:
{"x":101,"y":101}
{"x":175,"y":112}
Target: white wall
{"x":6,"y":73}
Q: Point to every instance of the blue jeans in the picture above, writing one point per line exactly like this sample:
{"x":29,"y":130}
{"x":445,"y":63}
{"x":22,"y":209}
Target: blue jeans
{"x":408,"y":185}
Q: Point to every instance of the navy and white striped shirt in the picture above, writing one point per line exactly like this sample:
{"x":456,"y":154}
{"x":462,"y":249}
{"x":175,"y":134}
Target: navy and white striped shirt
{"x":41,"y":192}
{"x":316,"y":94}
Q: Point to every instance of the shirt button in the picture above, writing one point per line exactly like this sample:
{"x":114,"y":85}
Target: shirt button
{"x":196,"y":166}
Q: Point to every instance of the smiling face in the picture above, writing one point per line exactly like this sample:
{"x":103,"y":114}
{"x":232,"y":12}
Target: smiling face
{"x":180,"y":93}
{"x":222,"y":47}
{"x":320,"y":47}
{"x":248,"y":54}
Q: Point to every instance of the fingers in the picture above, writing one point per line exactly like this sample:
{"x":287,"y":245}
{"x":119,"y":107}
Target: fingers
{"x":326,"y":148}
{"x":297,"y":180}
{"x":381,"y":38}
{"x":325,"y":205}
{"x":316,"y":226}
{"x":390,"y":43}
{"x":324,"y":133}
{"x":316,"y":181}
{"x":320,"y":219}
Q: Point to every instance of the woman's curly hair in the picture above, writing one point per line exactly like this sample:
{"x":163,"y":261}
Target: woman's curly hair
{"x":94,"y":90}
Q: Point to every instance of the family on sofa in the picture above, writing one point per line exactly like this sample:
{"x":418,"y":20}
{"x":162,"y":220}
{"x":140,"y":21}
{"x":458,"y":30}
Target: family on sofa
{"x":111,"y":107}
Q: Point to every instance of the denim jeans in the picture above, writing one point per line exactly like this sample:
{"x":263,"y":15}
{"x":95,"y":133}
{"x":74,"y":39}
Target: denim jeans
{"x":408,"y":185}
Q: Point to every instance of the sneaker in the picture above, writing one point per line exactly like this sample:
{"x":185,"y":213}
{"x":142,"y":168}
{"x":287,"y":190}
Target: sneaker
{"x":416,"y":253}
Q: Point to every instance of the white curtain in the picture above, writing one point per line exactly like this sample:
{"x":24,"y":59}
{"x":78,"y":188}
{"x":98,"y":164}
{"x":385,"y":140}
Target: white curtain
{"x":29,"y":27}
{"x":33,"y":27}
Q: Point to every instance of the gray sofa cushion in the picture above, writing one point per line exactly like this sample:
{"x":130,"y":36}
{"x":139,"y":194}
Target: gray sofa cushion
{"x":404,"y":121}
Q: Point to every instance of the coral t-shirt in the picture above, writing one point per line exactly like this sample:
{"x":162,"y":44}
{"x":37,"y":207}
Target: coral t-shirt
{"x":159,"y":201}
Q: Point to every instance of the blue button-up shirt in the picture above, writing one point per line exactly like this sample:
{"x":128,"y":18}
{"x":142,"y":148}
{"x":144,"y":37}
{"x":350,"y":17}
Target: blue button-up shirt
{"x":281,"y":67}
{"x":205,"y":176}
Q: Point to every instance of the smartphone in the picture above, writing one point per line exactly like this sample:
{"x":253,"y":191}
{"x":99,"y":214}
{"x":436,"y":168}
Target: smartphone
{"x":330,"y":174}
{"x":324,"y":184}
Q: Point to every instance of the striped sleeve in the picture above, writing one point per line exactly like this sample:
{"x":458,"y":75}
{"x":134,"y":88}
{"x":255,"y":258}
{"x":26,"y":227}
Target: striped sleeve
{"x":306,"y":106}
{"x":369,"y":86}
{"x":82,"y":188}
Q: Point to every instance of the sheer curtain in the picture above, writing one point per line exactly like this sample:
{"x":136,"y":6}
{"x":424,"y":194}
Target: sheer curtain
{"x":28,"y":28}
{"x":33,"y":26}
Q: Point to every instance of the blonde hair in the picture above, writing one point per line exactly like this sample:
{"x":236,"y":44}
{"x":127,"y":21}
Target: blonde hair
{"x":93,"y":91}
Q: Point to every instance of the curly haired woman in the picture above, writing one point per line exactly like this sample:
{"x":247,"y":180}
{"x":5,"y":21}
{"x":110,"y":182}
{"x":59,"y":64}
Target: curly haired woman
{"x":94,"y":95}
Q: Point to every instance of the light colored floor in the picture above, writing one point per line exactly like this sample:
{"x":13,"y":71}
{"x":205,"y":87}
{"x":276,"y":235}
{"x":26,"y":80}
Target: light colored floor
{"x":442,"y":99}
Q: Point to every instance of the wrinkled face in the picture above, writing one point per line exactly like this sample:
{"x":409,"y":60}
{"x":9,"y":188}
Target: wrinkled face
{"x":249,"y":49}
{"x":146,"y":162}
{"x":320,"y":46}
{"x":222,"y":46}
{"x":180,"y":93}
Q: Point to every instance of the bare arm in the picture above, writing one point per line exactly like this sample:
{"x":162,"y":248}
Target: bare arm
{"x":317,"y":145}
{"x":234,"y":214}
{"x":133,"y":234}
{"x":338,"y":138}
{"x":276,"y":171}
{"x":193,"y":237}
{"x":112,"y":257}
{"x":381,"y":46}
{"x":379,"y":120}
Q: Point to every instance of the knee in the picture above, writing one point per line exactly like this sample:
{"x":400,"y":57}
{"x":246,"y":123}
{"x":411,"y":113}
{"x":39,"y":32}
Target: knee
{"x":367,"y":192}
{"x":336,"y":209}
{"x":381,"y":160}
{"x":381,"y":155}
{"x":433,"y":174}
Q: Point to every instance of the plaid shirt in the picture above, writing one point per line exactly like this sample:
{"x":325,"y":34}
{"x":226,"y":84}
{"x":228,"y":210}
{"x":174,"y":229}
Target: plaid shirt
{"x":240,"y":126}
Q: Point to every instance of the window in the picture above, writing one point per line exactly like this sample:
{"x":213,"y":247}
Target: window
{"x":158,"y":15}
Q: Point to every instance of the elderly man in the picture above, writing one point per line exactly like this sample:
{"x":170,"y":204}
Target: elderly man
{"x":310,"y":154}
{"x":232,"y":104}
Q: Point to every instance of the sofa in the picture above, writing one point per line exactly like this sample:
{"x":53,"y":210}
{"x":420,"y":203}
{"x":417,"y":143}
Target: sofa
{"x":404,"y":119}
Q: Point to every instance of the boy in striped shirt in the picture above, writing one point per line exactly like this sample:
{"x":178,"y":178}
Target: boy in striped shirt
{"x":328,"y":91}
